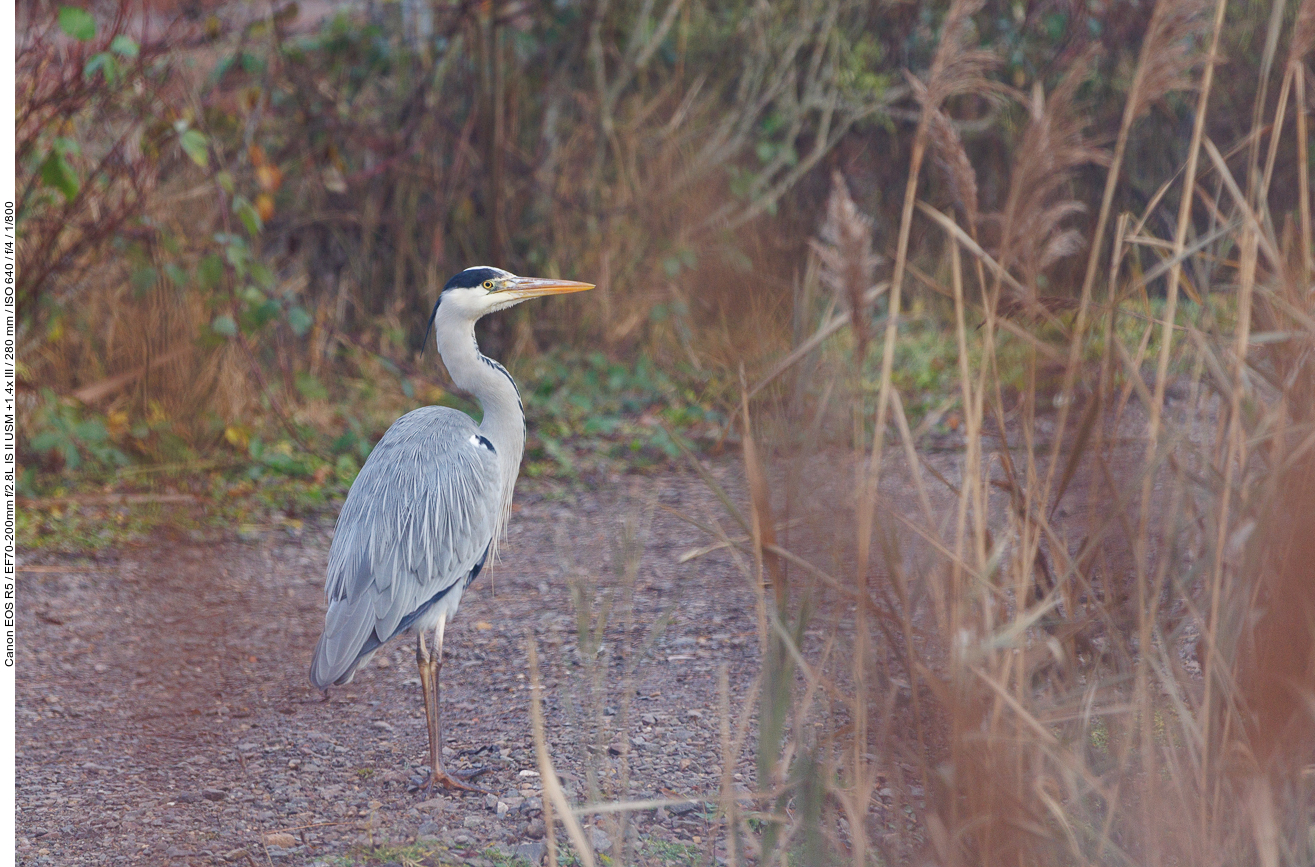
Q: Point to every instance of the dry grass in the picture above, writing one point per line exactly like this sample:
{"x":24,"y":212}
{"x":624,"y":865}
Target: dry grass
{"x":1088,"y":636}
{"x":1085,"y":636}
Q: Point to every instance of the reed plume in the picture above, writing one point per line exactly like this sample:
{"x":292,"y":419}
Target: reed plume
{"x":1036,"y":223}
{"x":844,"y":250}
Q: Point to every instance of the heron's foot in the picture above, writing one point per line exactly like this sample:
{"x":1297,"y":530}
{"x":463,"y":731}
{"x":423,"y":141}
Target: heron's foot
{"x":454,"y":781}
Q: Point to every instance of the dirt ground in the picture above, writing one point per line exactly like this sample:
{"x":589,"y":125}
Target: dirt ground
{"x":164,"y":714}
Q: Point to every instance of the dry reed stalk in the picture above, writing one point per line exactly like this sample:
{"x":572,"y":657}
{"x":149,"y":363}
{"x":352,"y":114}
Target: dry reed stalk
{"x":955,"y":69}
{"x":1163,"y":65}
{"x":1140,"y":541}
{"x":970,"y":494}
{"x":1303,"y":40}
{"x":1275,"y":667}
{"x":1257,"y":183}
{"x":760,"y":508}
{"x":729,"y":806}
{"x":1233,"y":461}
{"x":1292,"y":74}
{"x":553,"y":796}
{"x":1033,"y":237}
{"x":830,"y":325}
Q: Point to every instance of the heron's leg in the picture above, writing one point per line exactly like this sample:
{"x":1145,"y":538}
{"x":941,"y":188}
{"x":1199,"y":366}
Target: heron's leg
{"x":438,"y":774}
{"x":429,"y":688}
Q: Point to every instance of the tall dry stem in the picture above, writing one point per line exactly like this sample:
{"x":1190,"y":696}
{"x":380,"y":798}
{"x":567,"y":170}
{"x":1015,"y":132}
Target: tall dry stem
{"x":955,"y":69}
{"x":554,"y":798}
{"x":1164,"y":64}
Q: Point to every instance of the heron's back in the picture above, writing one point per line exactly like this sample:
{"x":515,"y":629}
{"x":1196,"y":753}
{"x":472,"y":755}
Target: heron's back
{"x":417,"y":521}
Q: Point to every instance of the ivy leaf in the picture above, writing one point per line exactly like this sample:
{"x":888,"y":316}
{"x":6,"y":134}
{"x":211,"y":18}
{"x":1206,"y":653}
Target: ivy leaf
{"x":57,"y":173}
{"x":299,"y":320}
{"x":259,"y":272}
{"x":77,"y":23}
{"x":124,"y":46}
{"x":104,"y":63}
{"x":193,"y":143}
{"x":176,"y":275}
{"x":210,"y":271}
{"x":224,"y":326}
{"x":145,"y":278}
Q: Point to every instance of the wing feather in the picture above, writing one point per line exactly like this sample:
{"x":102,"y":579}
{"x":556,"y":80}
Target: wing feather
{"x":418,"y":519}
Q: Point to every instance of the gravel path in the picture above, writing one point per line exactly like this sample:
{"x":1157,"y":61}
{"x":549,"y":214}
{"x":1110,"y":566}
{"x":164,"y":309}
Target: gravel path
{"x":164,"y":714}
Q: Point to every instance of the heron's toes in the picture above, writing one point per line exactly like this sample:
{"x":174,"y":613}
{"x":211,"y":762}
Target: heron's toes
{"x":453,"y":781}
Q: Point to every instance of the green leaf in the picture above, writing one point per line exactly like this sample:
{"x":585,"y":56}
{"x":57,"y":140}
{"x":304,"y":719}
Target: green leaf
{"x":77,"y":23}
{"x":193,"y":142}
{"x":57,"y":173}
{"x":124,"y":46}
{"x":45,"y":441}
{"x":91,"y":431}
{"x":224,"y":326}
{"x":144,"y":278}
{"x":210,"y":271}
{"x":260,"y":315}
{"x":237,"y":257}
{"x":176,"y":275}
{"x":65,"y":146}
{"x":261,"y":273}
{"x":299,"y":320}
{"x":104,"y":63}
{"x":310,"y":387}
{"x":246,"y":212}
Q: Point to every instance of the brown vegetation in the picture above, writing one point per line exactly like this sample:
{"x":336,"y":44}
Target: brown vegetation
{"x":1091,"y":640}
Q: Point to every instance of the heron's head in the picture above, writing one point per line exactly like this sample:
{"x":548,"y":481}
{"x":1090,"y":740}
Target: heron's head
{"x":476,"y":292}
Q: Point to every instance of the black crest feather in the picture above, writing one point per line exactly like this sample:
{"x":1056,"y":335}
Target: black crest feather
{"x":472,"y":277}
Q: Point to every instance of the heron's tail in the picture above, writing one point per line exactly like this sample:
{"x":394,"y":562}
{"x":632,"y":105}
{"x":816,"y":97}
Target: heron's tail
{"x":348,"y":629}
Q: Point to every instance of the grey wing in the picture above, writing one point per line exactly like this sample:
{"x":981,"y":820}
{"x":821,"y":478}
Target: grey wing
{"x":417,"y":520}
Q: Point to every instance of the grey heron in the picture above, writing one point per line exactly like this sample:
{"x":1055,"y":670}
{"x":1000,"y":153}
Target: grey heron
{"x":426,"y":511}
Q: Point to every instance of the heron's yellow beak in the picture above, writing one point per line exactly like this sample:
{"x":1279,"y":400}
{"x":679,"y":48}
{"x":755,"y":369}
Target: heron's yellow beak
{"x":532,"y":287}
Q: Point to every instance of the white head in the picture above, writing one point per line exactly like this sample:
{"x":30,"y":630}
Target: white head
{"x":476,"y":292}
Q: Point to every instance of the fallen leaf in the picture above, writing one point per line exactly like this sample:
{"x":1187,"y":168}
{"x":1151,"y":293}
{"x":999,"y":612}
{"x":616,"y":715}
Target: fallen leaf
{"x":282,"y":839}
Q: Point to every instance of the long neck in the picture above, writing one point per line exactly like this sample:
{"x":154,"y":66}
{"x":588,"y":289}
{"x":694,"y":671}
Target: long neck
{"x":492,"y":386}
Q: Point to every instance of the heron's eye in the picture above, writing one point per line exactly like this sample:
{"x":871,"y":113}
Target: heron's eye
{"x":488,"y":284}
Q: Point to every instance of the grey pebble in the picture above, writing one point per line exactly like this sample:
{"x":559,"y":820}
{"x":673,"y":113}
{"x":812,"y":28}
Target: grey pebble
{"x":532,"y":852}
